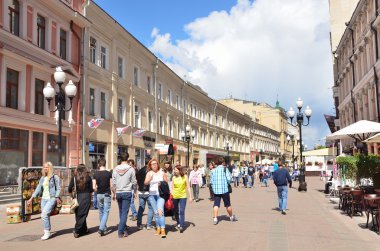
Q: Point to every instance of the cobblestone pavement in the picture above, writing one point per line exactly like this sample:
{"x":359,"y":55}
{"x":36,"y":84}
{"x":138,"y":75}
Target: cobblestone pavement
{"x":311,"y":223}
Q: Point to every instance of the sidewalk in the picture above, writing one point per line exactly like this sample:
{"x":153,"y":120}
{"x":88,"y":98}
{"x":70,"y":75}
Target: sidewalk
{"x":311,"y":223}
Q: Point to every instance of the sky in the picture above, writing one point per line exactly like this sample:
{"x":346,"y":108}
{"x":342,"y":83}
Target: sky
{"x":254,"y":50}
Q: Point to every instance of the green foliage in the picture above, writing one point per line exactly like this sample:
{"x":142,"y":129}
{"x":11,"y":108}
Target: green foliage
{"x":368,"y":165}
{"x":351,"y":166}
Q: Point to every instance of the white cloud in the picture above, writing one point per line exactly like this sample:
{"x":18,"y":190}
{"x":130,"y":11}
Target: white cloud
{"x":262,"y":48}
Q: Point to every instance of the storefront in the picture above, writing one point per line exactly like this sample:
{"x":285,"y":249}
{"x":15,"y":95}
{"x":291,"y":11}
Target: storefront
{"x":96,"y":151}
{"x":212,"y":156}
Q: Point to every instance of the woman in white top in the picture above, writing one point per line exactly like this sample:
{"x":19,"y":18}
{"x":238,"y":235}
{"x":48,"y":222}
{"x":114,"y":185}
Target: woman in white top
{"x":153,"y":178}
{"x":236,"y":174}
{"x":195,"y":179}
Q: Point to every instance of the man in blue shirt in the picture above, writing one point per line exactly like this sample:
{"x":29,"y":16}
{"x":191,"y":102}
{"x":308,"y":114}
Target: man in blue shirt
{"x":281,"y":177}
{"x":220,"y":178}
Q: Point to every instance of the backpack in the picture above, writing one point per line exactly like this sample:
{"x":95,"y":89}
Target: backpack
{"x":164,"y":190}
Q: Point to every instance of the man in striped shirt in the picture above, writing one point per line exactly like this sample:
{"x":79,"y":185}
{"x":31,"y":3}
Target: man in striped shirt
{"x":220,"y":178}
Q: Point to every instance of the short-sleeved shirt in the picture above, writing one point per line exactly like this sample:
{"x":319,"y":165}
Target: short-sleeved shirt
{"x":251,"y":170}
{"x":179,"y":190}
{"x":103,"y":181}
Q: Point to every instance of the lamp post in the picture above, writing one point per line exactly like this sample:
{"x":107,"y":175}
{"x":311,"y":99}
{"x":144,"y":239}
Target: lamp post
{"x":59,"y":101}
{"x":290,"y":139}
{"x":188,"y":137}
{"x":228,"y":147}
{"x":299,"y":123}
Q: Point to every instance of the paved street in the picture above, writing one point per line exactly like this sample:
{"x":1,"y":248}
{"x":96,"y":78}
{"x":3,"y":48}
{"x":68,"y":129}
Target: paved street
{"x":312,"y":223}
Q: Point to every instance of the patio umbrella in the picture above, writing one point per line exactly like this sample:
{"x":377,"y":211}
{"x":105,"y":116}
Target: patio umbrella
{"x":373,"y":139}
{"x":360,"y":131}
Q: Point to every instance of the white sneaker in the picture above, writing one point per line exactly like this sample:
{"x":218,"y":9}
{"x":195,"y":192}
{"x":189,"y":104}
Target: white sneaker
{"x":233,"y":218}
{"x":46,"y":235}
{"x":215,"y":221}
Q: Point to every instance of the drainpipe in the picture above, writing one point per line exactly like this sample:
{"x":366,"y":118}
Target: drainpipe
{"x":183,"y":106}
{"x":376,"y":82}
{"x":353,"y":103}
{"x":353,"y":71}
{"x":83,"y":89}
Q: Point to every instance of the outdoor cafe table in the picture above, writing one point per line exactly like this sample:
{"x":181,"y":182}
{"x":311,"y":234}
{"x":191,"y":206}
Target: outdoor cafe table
{"x":377,"y":201}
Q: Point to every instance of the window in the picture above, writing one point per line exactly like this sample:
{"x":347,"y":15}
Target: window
{"x":14,"y":149}
{"x":209,"y":118}
{"x":169,"y":97}
{"x":14,"y":17}
{"x":170,"y":128}
{"x":12,"y":89}
{"x":137,"y":116}
{"x":150,"y":121}
{"x":41,"y":31}
{"x":120,"y":67}
{"x":92,"y":50}
{"x":195,"y":112}
{"x":191,"y":110}
{"x":103,"y":57}
{"x":148,"y":85}
{"x":136,"y":76}
{"x":216,"y":119}
{"x":184,"y":106}
{"x":62,"y":44}
{"x":159,"y":91}
{"x":161,"y":125}
{"x":102,"y":105}
{"x":52,"y":149}
{"x":92,"y":102}
{"x":120,"y":110}
{"x":39,"y":97}
{"x":37,"y":150}
{"x":178,"y":103}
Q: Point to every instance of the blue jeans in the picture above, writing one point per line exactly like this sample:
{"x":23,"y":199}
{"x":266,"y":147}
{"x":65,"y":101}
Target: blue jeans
{"x":282,"y":192}
{"x":144,"y":198}
{"x":251,"y":180}
{"x":133,"y":208}
{"x":104,"y":206}
{"x":179,"y":211}
{"x":124,"y":202}
{"x":95,"y":200}
{"x":47,"y":205}
{"x":237,"y":180}
{"x":158,"y":203}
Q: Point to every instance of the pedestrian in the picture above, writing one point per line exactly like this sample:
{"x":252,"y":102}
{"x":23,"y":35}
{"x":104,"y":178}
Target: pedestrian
{"x":195,"y":181}
{"x":244,"y":173}
{"x":168,"y":170}
{"x":153,"y":178}
{"x":179,"y":187}
{"x":202,"y":169}
{"x":102,"y":183}
{"x":271,"y":171}
{"x":50,"y":190}
{"x":133,"y":216}
{"x":211,"y":168}
{"x":281,"y":178}
{"x":265,"y":179}
{"x":123,"y":180}
{"x":236,"y":175}
{"x":251,"y":175}
{"x":143,"y":192}
{"x":81,"y":184}
{"x":220,"y":178}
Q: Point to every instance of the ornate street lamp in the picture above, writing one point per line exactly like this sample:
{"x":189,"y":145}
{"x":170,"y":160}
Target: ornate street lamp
{"x":228,"y":147}
{"x":188,"y":137}
{"x":59,"y":98}
{"x":299,"y":124}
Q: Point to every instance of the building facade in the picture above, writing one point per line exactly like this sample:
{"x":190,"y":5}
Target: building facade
{"x":130,"y":88}
{"x":356,"y":70}
{"x":36,"y":37}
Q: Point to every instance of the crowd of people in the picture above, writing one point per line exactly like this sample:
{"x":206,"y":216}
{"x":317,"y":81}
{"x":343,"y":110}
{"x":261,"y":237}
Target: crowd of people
{"x":165,"y":191}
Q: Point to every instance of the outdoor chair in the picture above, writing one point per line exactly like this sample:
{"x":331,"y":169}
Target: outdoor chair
{"x":371,"y":208}
{"x":355,"y":203}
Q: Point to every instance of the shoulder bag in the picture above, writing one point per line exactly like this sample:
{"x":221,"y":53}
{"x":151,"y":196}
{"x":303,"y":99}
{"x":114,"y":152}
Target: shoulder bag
{"x":228,"y":184}
{"x":74,"y":201}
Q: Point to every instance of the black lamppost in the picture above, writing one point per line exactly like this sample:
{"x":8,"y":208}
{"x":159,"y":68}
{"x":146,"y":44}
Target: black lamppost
{"x":291,"y":140}
{"x":228,"y":147}
{"x":299,"y":124}
{"x":59,"y":98}
{"x":188,"y":137}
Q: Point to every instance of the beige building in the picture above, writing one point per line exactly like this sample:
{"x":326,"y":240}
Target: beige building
{"x":356,"y":69}
{"x":271,"y":120}
{"x":127,"y":85}
{"x":340,"y":13}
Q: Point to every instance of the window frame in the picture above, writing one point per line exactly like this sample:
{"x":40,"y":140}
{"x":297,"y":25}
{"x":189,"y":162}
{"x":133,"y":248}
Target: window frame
{"x":41,"y":32}
{"x":9,"y":87}
{"x":14,"y":11}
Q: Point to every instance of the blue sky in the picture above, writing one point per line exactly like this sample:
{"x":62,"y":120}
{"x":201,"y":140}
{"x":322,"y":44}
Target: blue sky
{"x":139,"y":17}
{"x":263,"y":48}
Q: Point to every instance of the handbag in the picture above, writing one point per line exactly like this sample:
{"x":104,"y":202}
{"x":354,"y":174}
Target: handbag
{"x":228,"y":184}
{"x":58,"y":204}
{"x":74,"y":201}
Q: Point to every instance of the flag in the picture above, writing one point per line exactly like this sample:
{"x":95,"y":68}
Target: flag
{"x":121,"y":130}
{"x":94,"y":123}
{"x":139,"y":133}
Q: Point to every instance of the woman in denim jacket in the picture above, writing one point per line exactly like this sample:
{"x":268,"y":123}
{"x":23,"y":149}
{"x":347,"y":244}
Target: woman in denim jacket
{"x":49,"y":188}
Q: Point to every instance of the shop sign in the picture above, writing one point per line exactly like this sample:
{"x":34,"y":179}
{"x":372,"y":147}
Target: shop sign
{"x":150,"y":139}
